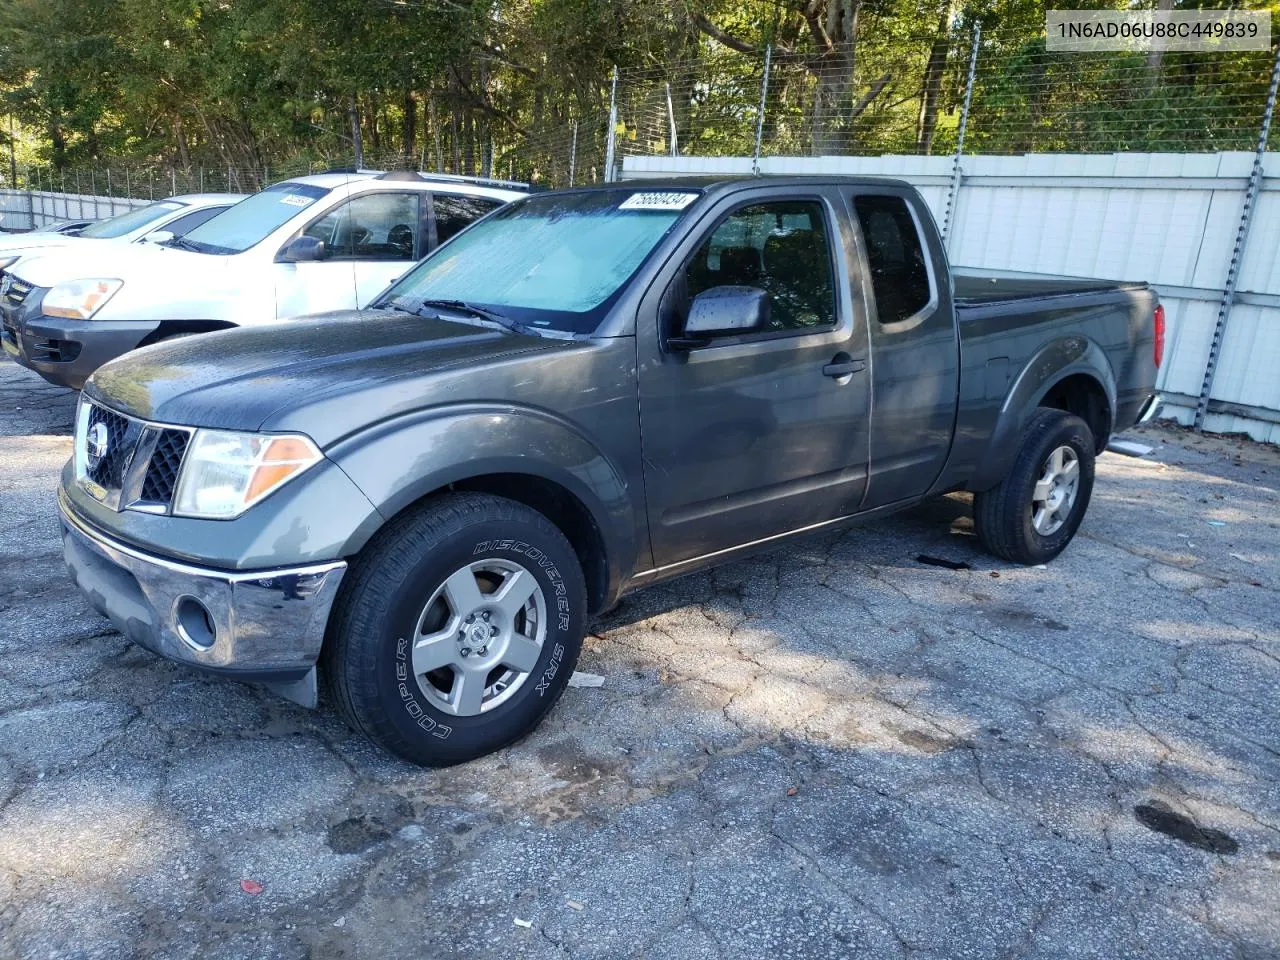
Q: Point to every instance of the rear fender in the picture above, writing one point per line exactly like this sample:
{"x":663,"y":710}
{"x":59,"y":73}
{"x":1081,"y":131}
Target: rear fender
{"x":1049,"y":366}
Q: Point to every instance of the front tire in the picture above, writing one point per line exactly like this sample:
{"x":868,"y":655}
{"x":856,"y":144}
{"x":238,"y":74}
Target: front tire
{"x":457,"y":629}
{"x":1031,"y":515}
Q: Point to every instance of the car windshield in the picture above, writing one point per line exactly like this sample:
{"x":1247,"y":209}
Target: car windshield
{"x":555,"y":261}
{"x":131,"y":221}
{"x":254,"y":218}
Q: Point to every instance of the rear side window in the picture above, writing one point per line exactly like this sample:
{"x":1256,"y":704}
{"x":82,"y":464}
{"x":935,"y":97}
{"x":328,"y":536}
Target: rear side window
{"x":455,"y":211}
{"x":899,"y":275}
{"x":780,"y":248}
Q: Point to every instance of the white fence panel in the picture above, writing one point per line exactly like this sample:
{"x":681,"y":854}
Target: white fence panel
{"x":1170,"y":219}
{"x":29,"y":210}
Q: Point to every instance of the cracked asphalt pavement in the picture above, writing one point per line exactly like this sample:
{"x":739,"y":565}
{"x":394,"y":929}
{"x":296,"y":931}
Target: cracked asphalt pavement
{"x":831,"y":750}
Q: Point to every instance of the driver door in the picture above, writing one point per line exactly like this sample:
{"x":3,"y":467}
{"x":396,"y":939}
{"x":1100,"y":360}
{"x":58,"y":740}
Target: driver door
{"x":753,"y":435}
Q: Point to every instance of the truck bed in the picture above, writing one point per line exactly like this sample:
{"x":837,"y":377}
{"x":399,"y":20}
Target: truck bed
{"x":975,"y":288}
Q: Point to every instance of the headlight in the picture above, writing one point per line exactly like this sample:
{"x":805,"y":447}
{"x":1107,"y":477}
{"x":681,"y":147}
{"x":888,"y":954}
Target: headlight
{"x":224,"y":474}
{"x":79,"y":299}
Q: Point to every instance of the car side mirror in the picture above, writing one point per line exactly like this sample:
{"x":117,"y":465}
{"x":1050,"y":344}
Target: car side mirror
{"x":159,"y":236}
{"x":723,"y":311}
{"x":303,"y":249}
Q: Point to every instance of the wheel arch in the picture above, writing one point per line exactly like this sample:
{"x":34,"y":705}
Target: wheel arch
{"x":1071,"y":374}
{"x":182,"y":328}
{"x":533,"y":459}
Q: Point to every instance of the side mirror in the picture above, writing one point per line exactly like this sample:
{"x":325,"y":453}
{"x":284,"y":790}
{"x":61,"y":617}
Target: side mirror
{"x":159,"y":236}
{"x":723,"y":311}
{"x":303,"y":249}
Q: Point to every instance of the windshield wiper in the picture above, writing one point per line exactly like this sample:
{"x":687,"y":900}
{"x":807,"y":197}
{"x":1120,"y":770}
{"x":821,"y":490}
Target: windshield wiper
{"x":182,"y":243}
{"x":462,"y":306}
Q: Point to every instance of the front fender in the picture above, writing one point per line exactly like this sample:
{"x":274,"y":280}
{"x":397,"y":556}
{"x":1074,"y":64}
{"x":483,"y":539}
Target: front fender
{"x":400,"y":461}
{"x":1049,"y":366}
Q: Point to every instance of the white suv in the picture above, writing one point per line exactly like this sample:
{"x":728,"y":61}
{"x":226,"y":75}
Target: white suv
{"x":318,"y":243}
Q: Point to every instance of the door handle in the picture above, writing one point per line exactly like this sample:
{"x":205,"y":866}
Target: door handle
{"x":842,"y":365}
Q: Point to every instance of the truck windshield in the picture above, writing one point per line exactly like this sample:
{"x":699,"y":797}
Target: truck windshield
{"x":555,"y":261}
{"x":129,"y":222}
{"x":251,"y":220}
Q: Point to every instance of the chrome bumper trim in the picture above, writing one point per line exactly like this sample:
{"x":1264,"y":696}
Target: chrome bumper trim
{"x":268,"y":625}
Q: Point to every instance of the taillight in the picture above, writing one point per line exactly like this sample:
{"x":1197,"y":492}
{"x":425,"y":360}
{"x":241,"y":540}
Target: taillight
{"x":1159,"y":344}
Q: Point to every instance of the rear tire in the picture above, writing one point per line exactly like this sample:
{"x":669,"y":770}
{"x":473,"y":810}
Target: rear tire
{"x":456,"y":629}
{"x":1031,"y":515}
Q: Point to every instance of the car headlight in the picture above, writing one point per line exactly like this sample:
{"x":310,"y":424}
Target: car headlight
{"x":224,"y":474}
{"x":79,"y":299}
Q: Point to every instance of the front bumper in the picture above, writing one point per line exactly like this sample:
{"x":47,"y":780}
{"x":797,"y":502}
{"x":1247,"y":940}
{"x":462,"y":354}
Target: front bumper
{"x":67,"y":352}
{"x":262,"y":626}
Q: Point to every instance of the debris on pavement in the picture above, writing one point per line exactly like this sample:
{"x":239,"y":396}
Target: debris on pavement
{"x":340,"y":922}
{"x":792,"y":791}
{"x":251,"y":887}
{"x":574,"y":904}
{"x":942,"y":562}
{"x":582,"y":679}
{"x":1129,"y":448}
{"x":1216,"y":523}
{"x":522,"y":923}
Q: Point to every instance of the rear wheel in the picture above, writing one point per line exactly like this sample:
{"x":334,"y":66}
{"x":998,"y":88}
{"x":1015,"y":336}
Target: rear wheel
{"x":457,"y":629}
{"x":1033,"y":513}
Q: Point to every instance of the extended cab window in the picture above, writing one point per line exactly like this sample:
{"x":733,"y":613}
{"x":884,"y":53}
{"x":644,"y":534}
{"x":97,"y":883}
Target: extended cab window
{"x":454,"y":212}
{"x":899,"y":274}
{"x":779,"y":247}
{"x":375,"y":226}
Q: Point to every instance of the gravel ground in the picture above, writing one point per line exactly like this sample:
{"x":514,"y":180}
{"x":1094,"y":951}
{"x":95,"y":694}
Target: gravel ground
{"x":829,"y":751}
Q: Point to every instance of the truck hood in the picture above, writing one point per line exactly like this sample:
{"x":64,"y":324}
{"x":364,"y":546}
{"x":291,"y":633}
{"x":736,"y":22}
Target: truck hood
{"x":131,"y":262}
{"x":327,"y":376}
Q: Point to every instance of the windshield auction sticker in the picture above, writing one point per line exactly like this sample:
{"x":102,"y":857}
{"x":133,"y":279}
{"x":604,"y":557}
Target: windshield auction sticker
{"x":296,"y":200}
{"x":1213,"y":31}
{"x":657,"y":201}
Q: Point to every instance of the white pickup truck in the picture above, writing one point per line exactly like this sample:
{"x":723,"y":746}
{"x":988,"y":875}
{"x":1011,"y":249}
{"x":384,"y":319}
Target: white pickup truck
{"x":317,"y":243}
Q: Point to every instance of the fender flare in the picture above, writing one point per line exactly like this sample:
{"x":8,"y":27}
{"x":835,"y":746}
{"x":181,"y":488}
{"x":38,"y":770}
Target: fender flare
{"x":398,"y":462}
{"x":1047,"y":367}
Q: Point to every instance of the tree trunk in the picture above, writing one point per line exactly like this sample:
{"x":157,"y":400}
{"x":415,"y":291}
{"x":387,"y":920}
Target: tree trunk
{"x":930,"y":93}
{"x":357,"y":143}
{"x":180,"y":138}
{"x":834,"y":72}
{"x":410,"y":139}
{"x":1155,"y":57}
{"x":435,"y":132}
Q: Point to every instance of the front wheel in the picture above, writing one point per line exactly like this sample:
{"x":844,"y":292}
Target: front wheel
{"x":1031,"y":515}
{"x":457,"y":629}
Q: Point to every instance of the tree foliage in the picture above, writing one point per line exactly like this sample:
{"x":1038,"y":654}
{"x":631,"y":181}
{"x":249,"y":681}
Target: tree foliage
{"x":522,"y":86}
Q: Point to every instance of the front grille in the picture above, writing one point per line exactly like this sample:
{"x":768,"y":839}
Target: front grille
{"x":139,"y":465}
{"x":162,"y":471}
{"x":18,"y":290}
{"x":108,"y":470}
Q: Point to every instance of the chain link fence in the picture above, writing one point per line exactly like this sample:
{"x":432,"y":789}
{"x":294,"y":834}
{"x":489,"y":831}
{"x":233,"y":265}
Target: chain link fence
{"x":891,"y":94}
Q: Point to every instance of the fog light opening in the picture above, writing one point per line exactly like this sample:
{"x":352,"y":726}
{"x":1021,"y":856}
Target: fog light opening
{"x":194,"y":623}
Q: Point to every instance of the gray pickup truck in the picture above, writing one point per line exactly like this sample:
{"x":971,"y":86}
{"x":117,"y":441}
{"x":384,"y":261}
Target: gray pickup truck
{"x":584,"y":393}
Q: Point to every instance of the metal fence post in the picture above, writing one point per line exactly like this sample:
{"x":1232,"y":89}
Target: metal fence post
{"x":1237,"y":253}
{"x":671,"y":121}
{"x":573,"y":152}
{"x":952,"y":192}
{"x":764,"y":93}
{"x":610,"y":145}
